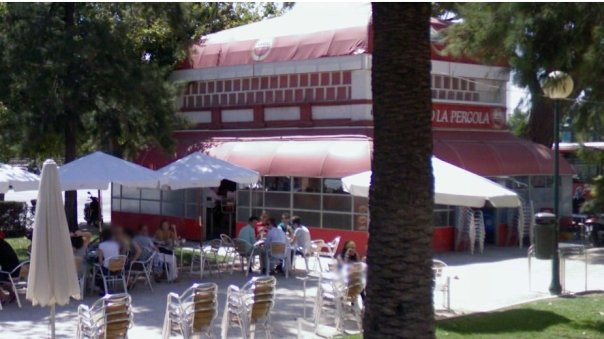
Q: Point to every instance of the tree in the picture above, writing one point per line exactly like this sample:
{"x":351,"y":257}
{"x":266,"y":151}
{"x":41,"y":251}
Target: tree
{"x":399,"y":287}
{"x":534,"y":39}
{"x":76,"y":77}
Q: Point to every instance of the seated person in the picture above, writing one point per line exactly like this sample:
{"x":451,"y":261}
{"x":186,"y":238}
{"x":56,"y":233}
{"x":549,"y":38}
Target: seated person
{"x":166,"y":237}
{"x":107,"y":249}
{"x":79,"y":243}
{"x":147,"y":245}
{"x":274,"y":235}
{"x":248,"y":234}
{"x":286,"y":224}
{"x":262,"y":225}
{"x":301,"y":240}
{"x":8,"y":258}
{"x":348,"y":254}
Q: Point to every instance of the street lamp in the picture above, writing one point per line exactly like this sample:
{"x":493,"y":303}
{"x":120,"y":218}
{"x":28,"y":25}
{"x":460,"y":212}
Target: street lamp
{"x":558,"y":85}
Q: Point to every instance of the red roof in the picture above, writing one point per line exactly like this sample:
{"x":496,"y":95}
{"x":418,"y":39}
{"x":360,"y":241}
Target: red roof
{"x":336,"y":30}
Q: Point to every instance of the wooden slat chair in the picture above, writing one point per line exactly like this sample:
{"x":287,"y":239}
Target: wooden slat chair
{"x":142,"y":268}
{"x":250,"y":306}
{"x":109,"y":317}
{"x":228,"y":245}
{"x":18,"y":282}
{"x":193,"y":313}
{"x":116,"y":268}
{"x":278,"y":252}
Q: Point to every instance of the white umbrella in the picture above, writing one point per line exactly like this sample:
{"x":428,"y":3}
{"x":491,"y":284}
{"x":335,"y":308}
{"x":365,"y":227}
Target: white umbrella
{"x":52,"y":276}
{"x":17,"y":179}
{"x":452,"y":186}
{"x":97,"y":170}
{"x":200,"y":170}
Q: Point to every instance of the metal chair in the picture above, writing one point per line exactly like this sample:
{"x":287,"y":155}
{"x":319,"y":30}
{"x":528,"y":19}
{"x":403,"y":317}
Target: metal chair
{"x":116,"y":271}
{"x":250,"y":306}
{"x":245,"y":253}
{"x":142,"y":268}
{"x":278,"y":252}
{"x":109,"y":317}
{"x":442,"y":282}
{"x":198,"y":261}
{"x":18,"y":283}
{"x":192,"y":313}
{"x":211,"y":254}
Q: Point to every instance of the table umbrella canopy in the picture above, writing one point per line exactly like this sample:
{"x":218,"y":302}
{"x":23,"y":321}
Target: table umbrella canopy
{"x":201,"y":170}
{"x":452,"y":186}
{"x":17,"y":179}
{"x":97,"y":170}
{"x":52,"y":275}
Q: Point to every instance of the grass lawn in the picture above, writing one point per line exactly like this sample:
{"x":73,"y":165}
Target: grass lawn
{"x":580,"y":317}
{"x":20,"y":246}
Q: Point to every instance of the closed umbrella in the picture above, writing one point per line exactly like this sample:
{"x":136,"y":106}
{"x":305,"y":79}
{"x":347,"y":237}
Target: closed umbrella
{"x":17,"y":179}
{"x":452,"y":186}
{"x":52,"y":276}
{"x":200,"y":170}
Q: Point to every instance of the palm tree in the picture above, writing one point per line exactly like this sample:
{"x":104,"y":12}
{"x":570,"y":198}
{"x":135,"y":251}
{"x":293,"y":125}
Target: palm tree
{"x":399,"y":289}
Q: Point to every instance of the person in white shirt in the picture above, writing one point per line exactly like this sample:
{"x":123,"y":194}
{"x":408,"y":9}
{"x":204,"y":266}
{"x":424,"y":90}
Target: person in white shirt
{"x":301,"y":240}
{"x":107,"y":248}
{"x":274,"y":235}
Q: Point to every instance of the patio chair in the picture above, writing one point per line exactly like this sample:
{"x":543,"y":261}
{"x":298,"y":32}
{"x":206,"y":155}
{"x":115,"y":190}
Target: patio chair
{"x":245,"y":255}
{"x":340,"y":294}
{"x":278,"y":252}
{"x":198,"y":261}
{"x":229,"y":247}
{"x":79,"y":262}
{"x":143,"y":268}
{"x":116,"y":272}
{"x":442,"y":282}
{"x":250,"y":306}
{"x":18,"y":282}
{"x":109,"y":317}
{"x":211,"y":253}
{"x":192,"y":313}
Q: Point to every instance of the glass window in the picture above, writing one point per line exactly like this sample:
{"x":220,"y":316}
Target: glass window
{"x":276,"y":214}
{"x":471,"y":85}
{"x":130,"y":205}
{"x":312,"y":219}
{"x":361,"y":222}
{"x":455,"y":83}
{"x":437,"y":81}
{"x":542,"y":181}
{"x":115,"y":204}
{"x":150,"y":194}
{"x":116,"y":190}
{"x":243,"y":214}
{"x":243,"y":198}
{"x":446,"y":82}
{"x":340,"y":221}
{"x":150,"y":207}
{"x":281,"y":184}
{"x":191,"y":211}
{"x":307,"y":201}
{"x":308,"y":185}
{"x":176,"y":196}
{"x":464,"y":85}
{"x":333,"y":186}
{"x":131,"y":193}
{"x":337,"y":203}
{"x":172,"y":209}
{"x":276,"y":199}
{"x":192,"y":195}
{"x":441,"y":218}
{"x":257,"y":198}
{"x":361,"y":205}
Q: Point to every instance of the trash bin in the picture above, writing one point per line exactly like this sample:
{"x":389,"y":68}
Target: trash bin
{"x":545,"y":235}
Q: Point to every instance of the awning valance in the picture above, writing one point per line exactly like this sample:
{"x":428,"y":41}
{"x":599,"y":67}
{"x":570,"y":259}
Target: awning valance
{"x":493,"y":154}
{"x":307,"y":158}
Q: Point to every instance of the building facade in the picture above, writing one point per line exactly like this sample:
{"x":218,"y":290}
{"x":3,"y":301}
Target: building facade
{"x":293,"y":101}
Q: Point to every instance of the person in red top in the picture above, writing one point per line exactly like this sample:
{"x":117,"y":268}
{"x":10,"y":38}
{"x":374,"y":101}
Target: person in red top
{"x":262,"y":225}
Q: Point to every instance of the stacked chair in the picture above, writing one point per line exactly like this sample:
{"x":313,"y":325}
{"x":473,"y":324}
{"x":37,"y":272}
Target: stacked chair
{"x":192,"y":313}
{"x":109,"y":317}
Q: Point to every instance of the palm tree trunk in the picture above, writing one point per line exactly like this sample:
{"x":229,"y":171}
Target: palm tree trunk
{"x":399,"y":289}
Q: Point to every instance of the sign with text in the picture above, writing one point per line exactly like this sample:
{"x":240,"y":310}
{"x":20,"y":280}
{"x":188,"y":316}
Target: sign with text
{"x":468,"y":116}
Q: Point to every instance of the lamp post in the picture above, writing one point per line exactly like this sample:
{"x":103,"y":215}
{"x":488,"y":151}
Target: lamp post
{"x":558,"y":85}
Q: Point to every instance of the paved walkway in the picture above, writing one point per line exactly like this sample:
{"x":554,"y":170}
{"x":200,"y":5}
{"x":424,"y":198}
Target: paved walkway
{"x":494,"y":279}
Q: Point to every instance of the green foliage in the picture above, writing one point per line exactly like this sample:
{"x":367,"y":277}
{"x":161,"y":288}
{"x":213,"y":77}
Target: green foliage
{"x":535,"y":39}
{"x":13,"y":218}
{"x":95,"y":75}
{"x":517,"y":122}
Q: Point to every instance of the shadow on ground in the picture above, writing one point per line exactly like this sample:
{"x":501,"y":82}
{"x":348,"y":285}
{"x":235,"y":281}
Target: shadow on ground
{"x":509,"y":321}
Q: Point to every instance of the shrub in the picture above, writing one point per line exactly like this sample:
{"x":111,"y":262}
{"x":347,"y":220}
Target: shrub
{"x":14,"y":218}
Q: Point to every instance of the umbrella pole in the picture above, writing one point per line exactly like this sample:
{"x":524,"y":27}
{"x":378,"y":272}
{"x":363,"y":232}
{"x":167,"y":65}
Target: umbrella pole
{"x":52,"y":321}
